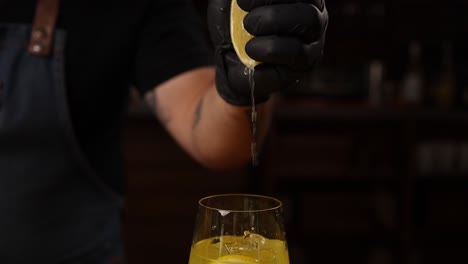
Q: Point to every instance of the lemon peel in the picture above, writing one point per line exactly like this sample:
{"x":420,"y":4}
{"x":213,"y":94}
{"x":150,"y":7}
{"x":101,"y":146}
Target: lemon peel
{"x":240,"y":36}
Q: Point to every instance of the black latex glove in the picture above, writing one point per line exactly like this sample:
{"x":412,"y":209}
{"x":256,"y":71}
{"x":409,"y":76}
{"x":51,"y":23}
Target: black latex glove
{"x":289,"y":40}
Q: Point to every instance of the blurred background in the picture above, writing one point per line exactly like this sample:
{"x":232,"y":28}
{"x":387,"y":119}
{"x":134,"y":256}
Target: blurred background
{"x":371,"y":164}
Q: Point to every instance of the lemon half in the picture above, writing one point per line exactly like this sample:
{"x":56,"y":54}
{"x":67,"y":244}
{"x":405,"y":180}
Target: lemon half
{"x":240,"y":259}
{"x":240,"y":36}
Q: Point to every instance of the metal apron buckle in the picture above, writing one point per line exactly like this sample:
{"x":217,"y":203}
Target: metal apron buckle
{"x":42,"y":33}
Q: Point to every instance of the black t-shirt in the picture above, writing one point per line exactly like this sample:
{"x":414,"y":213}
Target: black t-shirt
{"x":112,"y":45}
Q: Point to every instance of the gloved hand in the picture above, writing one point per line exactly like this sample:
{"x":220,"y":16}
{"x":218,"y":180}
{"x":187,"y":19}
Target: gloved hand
{"x":289,"y":40}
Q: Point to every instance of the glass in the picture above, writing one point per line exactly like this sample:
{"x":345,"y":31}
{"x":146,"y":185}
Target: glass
{"x":239,"y":228}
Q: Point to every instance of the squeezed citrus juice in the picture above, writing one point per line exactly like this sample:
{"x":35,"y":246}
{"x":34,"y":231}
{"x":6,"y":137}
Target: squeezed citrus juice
{"x":240,"y":250}
{"x":239,"y":38}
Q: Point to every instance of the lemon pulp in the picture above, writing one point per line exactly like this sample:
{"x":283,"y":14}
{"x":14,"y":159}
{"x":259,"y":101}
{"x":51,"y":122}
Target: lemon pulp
{"x":240,"y":36}
{"x":236,"y":259}
{"x":220,"y":250}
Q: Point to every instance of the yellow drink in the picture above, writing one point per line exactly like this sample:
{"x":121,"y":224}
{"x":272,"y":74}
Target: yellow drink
{"x":248,"y":249}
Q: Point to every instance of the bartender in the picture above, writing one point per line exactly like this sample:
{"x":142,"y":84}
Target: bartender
{"x":65,"y":72}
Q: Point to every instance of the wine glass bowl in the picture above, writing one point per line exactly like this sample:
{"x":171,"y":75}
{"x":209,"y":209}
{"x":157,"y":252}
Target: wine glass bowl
{"x":239,"y":228}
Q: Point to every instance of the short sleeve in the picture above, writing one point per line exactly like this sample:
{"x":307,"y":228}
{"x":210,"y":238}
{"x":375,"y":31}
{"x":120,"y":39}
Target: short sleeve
{"x":172,"y":41}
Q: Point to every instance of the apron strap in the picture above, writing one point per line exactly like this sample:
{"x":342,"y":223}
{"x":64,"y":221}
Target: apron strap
{"x":42,"y":33}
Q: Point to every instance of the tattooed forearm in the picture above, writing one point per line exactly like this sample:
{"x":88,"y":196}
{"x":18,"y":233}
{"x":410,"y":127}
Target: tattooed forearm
{"x":197,"y":114}
{"x":152,"y":101}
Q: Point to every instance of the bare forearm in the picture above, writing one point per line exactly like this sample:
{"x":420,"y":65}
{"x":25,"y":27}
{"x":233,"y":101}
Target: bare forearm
{"x":214,"y":132}
{"x":222,"y":133}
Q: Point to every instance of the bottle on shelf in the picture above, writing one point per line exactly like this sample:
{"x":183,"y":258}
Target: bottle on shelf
{"x":375,"y":79}
{"x":444,"y":88}
{"x":460,"y":61}
{"x":412,"y":83}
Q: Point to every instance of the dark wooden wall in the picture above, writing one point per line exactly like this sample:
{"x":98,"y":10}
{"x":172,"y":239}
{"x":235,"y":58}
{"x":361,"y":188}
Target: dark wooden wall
{"x":164,"y":186}
{"x":361,"y":184}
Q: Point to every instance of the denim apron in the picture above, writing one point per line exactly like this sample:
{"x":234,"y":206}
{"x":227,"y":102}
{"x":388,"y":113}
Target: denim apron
{"x":53,"y":206}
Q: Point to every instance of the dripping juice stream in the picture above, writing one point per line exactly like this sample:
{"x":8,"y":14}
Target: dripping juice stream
{"x":253,"y":117}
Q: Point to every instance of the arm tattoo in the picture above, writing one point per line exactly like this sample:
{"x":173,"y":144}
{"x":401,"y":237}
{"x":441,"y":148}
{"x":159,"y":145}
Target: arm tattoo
{"x":197,"y":114}
{"x":152,"y":100}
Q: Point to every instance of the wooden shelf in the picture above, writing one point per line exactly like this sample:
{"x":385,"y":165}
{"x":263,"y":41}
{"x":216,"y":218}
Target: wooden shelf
{"x":348,"y":149}
{"x":298,"y":109}
{"x":364,"y":184}
{"x":318,"y":239}
{"x":431,"y":239}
